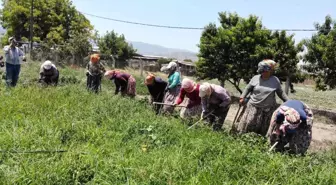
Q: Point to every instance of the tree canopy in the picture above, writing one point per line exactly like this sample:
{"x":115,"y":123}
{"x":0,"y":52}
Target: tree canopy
{"x":55,"y":21}
{"x":232,"y":51}
{"x":113,"y":44}
{"x":320,"y":58}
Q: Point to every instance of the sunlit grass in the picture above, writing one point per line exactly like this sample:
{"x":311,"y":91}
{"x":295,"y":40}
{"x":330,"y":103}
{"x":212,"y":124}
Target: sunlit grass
{"x":115,"y":140}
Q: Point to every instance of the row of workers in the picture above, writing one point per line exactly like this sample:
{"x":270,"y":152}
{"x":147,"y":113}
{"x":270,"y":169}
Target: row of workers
{"x":290,"y":123}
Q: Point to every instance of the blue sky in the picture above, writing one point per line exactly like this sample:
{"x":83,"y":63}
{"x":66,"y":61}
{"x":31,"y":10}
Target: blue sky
{"x":275,"y":14}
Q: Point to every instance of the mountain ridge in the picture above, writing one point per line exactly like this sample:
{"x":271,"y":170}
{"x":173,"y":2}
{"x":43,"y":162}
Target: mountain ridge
{"x":158,"y":50}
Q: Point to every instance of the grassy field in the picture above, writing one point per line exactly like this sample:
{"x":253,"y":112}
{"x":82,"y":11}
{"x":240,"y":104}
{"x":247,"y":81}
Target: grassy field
{"x":114,"y":140}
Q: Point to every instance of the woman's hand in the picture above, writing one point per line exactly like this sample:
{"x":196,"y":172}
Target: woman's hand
{"x":241,"y":101}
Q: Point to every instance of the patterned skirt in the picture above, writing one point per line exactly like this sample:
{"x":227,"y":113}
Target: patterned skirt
{"x":255,"y":119}
{"x":194,"y":111}
{"x":131,"y":86}
{"x":299,"y":141}
{"x":170,"y":98}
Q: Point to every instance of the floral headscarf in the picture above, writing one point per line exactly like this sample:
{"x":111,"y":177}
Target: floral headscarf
{"x":266,"y":65}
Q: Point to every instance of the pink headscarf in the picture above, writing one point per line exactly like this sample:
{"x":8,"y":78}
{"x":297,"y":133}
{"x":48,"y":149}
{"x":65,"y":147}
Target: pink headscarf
{"x":111,"y":73}
{"x":188,"y":85}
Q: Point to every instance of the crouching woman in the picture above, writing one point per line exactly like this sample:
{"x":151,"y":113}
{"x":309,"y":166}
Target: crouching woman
{"x":291,"y":124}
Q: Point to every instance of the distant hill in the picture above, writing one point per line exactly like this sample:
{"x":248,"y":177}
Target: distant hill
{"x":152,"y":49}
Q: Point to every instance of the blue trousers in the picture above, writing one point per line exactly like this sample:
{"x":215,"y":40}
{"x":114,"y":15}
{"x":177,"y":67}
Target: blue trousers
{"x":12,"y":74}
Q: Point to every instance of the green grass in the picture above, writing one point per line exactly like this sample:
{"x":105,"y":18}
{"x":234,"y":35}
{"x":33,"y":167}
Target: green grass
{"x":115,"y":140}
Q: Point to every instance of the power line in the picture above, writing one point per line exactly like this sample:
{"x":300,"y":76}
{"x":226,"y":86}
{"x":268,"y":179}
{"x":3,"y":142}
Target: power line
{"x":144,"y":24}
{"x":182,"y":27}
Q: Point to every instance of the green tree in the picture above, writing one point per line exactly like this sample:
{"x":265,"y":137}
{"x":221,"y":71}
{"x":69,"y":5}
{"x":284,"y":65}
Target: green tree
{"x":164,"y":61}
{"x":285,"y":54}
{"x":232,"y":51}
{"x":55,"y":21}
{"x":188,"y":60}
{"x":321,"y":55}
{"x":113,"y":44}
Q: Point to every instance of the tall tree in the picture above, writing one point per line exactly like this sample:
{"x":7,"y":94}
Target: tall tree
{"x":113,"y":44}
{"x":55,"y":21}
{"x":232,"y":51}
{"x":321,"y":56}
{"x":285,"y":54}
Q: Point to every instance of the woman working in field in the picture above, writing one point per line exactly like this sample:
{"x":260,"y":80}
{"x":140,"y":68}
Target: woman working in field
{"x":190,"y":89}
{"x":262,"y":89}
{"x":173,"y":89}
{"x":156,"y":87}
{"x":125,"y":83}
{"x":49,"y":74}
{"x":94,"y":73}
{"x":215,"y":104}
{"x":291,"y":123}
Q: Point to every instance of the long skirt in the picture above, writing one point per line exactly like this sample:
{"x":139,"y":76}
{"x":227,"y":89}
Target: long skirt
{"x":217,"y":116}
{"x":170,"y":98}
{"x":299,"y":141}
{"x":194,"y":111}
{"x":255,"y":119}
{"x":158,"y":98}
{"x":131,"y":86}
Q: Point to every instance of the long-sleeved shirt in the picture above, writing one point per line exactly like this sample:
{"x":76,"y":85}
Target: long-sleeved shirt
{"x":95,"y":68}
{"x":120,"y":80}
{"x":12,"y":55}
{"x":51,"y":73}
{"x":263,"y":91}
{"x":194,"y":98}
{"x":157,"y":89}
{"x":300,"y":107}
{"x":174,"y":80}
{"x":219,"y":96}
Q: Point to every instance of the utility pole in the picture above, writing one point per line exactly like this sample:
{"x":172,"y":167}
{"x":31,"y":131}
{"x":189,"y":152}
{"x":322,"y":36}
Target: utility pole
{"x":31,"y":27}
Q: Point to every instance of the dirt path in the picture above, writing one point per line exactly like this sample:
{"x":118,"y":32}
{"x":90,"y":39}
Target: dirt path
{"x":324,"y":135}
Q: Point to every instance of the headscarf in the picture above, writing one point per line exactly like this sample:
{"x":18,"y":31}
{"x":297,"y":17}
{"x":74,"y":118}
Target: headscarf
{"x":292,"y":117}
{"x":171,"y":66}
{"x":111,"y":73}
{"x":150,"y":79}
{"x":205,"y":90}
{"x":94,"y":58}
{"x":47,"y":65}
{"x":188,"y":85}
{"x":266,"y":65}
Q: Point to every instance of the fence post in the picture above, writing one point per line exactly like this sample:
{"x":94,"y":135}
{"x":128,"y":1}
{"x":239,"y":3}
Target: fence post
{"x":141,"y":67}
{"x":56,"y":57}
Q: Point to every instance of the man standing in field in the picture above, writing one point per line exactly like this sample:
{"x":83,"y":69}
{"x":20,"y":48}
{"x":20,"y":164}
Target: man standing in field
{"x":13,"y":57}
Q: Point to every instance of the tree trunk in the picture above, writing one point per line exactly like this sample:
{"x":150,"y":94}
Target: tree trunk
{"x":287,"y":84}
{"x":222,"y":83}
